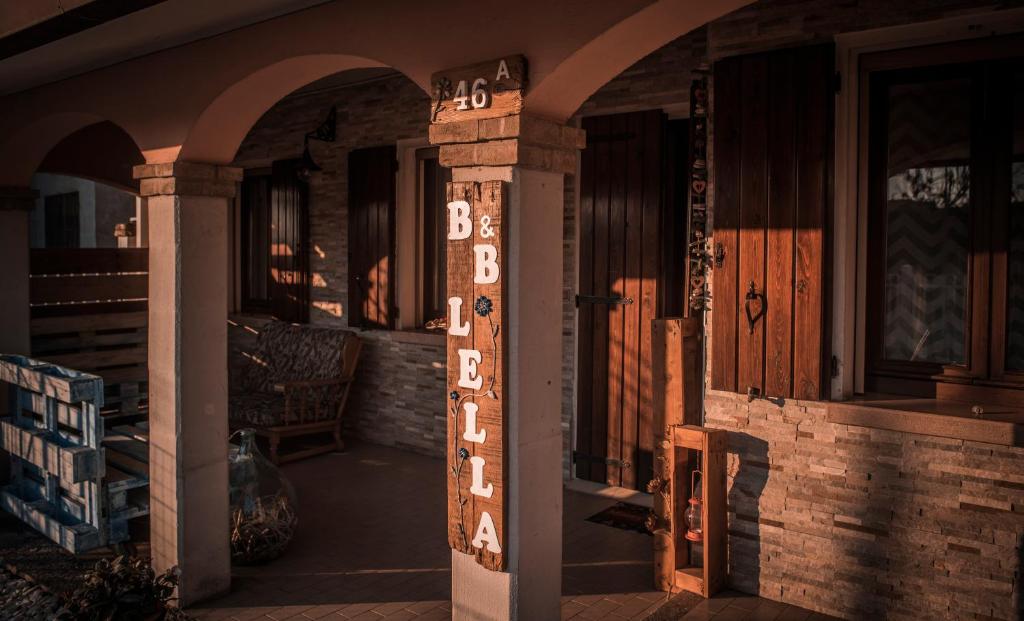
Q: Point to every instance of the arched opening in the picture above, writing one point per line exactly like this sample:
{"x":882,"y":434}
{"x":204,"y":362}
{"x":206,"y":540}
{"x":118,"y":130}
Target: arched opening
{"x":604,"y":58}
{"x":85,"y":302}
{"x":223,"y":125}
{"x":394,"y":422}
{"x":320,"y":240}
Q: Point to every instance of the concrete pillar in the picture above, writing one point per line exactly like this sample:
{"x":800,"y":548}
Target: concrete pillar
{"x":188,"y":254}
{"x":532,"y":156}
{"x":15,"y":206}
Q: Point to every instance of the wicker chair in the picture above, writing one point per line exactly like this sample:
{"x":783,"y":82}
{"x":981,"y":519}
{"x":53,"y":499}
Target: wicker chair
{"x":295,"y":383}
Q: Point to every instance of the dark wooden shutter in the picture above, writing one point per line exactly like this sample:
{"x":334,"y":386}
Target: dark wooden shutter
{"x":772,"y":172}
{"x":255,"y":242}
{"x":371,"y":236}
{"x":289,"y":243}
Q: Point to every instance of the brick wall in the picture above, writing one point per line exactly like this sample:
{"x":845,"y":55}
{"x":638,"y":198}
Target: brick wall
{"x":398,"y":398}
{"x":869,"y":524}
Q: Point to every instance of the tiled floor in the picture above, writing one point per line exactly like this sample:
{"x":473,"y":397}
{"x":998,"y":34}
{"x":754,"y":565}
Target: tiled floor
{"x":371,"y":545}
{"x":732,"y":606}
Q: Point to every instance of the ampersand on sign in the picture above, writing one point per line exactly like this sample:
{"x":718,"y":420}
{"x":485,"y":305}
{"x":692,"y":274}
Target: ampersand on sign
{"x":485,"y":227}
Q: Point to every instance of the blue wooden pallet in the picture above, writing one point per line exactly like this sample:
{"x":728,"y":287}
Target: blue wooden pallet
{"x":69,"y":479}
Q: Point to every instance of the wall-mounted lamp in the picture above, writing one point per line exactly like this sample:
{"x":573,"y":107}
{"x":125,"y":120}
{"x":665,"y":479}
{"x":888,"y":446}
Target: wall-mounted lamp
{"x":325,"y":132}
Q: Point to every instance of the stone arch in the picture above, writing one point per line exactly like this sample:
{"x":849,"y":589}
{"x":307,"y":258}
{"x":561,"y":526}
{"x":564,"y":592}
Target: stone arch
{"x":76,"y":155}
{"x":223,"y":125}
{"x":26,"y":148}
{"x":597,"y":62}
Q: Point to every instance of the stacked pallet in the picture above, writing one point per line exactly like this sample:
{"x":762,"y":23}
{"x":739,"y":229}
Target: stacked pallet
{"x":89,"y":313}
{"x":69,"y":480}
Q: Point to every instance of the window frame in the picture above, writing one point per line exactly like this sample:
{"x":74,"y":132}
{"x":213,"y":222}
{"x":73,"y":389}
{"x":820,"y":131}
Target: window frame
{"x":248,"y":304}
{"x":428,"y":262}
{"x":983,"y":375}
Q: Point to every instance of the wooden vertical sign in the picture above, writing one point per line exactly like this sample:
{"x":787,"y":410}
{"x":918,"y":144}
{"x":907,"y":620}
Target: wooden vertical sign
{"x":476,"y":371}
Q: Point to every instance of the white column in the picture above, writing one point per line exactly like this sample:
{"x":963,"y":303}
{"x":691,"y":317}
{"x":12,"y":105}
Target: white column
{"x":531,"y":588}
{"x":188,"y":208}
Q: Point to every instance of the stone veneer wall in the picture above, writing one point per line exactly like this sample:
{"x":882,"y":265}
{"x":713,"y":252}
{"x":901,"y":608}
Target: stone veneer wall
{"x":856,"y":522}
{"x":869,"y":524}
{"x":398,"y":398}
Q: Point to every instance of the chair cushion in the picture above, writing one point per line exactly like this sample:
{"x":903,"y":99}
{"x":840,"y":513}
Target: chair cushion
{"x":257,"y":409}
{"x":288,"y":352}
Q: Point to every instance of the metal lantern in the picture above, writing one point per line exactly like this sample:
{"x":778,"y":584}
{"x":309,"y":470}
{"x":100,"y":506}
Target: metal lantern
{"x":693,"y":515}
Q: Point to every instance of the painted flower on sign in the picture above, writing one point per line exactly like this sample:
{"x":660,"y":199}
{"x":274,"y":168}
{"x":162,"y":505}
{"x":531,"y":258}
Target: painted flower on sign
{"x":483,"y":306}
{"x":463,"y":453}
{"x":454,"y":396}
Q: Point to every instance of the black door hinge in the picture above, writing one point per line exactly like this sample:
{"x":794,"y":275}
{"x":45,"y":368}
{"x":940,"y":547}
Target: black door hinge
{"x":835,"y":366}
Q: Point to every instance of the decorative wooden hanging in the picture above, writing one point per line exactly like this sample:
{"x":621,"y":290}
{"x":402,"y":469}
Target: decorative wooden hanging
{"x":476,"y":371}
{"x":698,"y":263}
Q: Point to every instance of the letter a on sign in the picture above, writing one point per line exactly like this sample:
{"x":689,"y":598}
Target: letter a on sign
{"x":485,"y":533}
{"x":502,"y":70}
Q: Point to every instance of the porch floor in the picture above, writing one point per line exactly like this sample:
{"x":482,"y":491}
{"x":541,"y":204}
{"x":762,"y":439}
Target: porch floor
{"x":371,"y":545}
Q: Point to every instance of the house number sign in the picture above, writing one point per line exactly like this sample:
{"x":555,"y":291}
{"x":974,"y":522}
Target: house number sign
{"x":476,"y":371}
{"x":484,"y":90}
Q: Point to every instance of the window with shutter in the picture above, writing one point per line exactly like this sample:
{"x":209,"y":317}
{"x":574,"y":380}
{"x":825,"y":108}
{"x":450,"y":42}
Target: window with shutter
{"x":772,"y":129}
{"x":275,"y":242}
{"x":371,"y":237}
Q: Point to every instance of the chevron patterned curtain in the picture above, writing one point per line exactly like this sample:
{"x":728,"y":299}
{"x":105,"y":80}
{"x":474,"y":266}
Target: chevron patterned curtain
{"x":927,"y":236}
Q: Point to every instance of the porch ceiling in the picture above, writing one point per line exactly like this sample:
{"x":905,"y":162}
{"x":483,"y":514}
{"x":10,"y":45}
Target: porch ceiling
{"x":165,"y":25}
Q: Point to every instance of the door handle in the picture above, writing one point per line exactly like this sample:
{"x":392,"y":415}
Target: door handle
{"x":754,"y":296}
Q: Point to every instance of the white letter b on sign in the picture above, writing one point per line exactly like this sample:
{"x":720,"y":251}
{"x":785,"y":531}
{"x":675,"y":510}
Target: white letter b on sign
{"x":486,"y":264}
{"x":459,"y":225}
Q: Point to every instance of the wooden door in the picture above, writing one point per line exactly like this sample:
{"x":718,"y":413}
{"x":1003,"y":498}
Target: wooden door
{"x":772,"y":130}
{"x":371,"y":236}
{"x":626,"y":245}
{"x":289,"y":244}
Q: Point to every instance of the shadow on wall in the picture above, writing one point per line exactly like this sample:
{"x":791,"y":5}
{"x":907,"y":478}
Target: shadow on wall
{"x":749,"y":480}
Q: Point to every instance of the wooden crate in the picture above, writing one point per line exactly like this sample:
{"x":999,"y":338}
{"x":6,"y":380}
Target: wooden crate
{"x":61,"y":483}
{"x":708,"y":576}
{"x":89,"y":313}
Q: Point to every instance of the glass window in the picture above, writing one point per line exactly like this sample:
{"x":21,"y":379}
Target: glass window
{"x":945,"y":236}
{"x":926,"y":220}
{"x":1015,"y":246}
{"x":433,"y":180}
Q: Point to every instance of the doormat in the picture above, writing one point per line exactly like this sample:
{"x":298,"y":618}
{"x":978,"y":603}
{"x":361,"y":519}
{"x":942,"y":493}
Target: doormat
{"x":623,"y":516}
